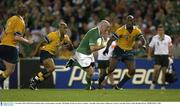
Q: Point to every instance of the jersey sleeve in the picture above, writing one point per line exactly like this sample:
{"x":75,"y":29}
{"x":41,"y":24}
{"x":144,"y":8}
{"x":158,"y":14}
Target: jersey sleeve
{"x":139,"y":32}
{"x":119,"y":32}
{"x":170,"y":42}
{"x":50,"y":37}
{"x":92,"y":38}
{"x":92,"y":41}
{"x":19,"y":27}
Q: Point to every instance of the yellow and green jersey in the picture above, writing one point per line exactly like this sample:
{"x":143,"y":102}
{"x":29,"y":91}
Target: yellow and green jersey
{"x":126,"y":40}
{"x":15,"y":24}
{"x":55,"y":41}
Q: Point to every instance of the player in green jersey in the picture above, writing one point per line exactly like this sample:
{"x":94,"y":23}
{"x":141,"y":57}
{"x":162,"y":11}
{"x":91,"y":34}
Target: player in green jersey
{"x":92,"y":41}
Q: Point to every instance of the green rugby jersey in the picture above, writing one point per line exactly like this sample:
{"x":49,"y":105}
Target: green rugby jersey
{"x":89,"y":39}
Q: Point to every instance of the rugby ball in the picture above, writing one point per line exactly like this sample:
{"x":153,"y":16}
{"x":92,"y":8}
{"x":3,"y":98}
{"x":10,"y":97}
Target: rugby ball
{"x":99,"y":41}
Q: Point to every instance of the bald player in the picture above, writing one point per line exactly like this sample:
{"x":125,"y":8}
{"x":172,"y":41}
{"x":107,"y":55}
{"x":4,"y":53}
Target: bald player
{"x":89,"y":44}
{"x":52,"y":43}
{"x":125,"y":38}
{"x":13,"y":33}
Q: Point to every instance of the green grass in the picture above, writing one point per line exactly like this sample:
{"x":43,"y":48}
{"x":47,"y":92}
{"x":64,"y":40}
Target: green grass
{"x":58,"y":95}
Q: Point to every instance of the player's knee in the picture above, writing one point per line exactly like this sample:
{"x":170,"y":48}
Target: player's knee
{"x":2,"y":65}
{"x":131,"y":72}
{"x":51,"y":69}
{"x":110,"y":70}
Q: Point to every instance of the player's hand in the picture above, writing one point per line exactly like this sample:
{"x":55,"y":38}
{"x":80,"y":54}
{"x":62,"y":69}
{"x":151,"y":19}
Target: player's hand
{"x":144,"y":47}
{"x":105,"y":52}
{"x":30,"y":41}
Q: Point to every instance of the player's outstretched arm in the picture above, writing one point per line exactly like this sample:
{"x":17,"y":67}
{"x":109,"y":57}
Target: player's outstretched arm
{"x":113,"y":38}
{"x":141,"y":37}
{"x":18,"y":36}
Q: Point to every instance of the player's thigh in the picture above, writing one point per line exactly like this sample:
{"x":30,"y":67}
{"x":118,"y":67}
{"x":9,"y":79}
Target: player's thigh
{"x":10,"y":67}
{"x":84,"y":60}
{"x":112,"y":64}
{"x":89,"y":70}
{"x":9,"y":54}
{"x":102,"y":71}
{"x":103,"y":64}
{"x":164,"y":60}
{"x":130,"y":63}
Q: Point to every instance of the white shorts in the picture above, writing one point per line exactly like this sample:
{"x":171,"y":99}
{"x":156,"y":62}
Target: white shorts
{"x":83,"y":59}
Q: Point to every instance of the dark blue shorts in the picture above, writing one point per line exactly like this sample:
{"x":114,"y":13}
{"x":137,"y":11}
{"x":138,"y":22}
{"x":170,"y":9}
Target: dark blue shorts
{"x":122,"y":54}
{"x":103,"y":63}
{"x":9,"y":54}
{"x":44,"y":55}
{"x":162,"y":60}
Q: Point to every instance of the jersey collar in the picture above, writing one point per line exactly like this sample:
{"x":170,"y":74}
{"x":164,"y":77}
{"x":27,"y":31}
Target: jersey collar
{"x":126,"y":27}
{"x":98,"y":30}
{"x":59,"y":33}
{"x":161,"y":38}
{"x":20,"y":18}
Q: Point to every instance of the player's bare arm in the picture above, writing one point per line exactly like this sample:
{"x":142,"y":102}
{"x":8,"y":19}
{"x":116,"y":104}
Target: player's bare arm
{"x":141,"y":38}
{"x":96,"y":48}
{"x":113,"y":38}
{"x":18,"y":36}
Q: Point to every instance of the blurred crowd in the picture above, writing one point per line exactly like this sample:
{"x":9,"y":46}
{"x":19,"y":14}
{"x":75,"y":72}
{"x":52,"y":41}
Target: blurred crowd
{"x":81,"y":15}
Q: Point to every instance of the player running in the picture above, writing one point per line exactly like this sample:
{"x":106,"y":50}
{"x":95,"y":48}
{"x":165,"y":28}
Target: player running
{"x":52,"y":43}
{"x":125,"y":39}
{"x":13,"y":33}
{"x":92,"y":41}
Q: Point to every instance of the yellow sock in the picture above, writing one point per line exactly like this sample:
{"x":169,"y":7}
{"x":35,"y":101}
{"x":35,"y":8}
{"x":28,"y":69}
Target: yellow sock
{"x":40,"y":76}
{"x":4,"y":75}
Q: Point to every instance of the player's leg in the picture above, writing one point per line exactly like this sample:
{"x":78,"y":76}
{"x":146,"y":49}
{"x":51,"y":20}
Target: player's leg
{"x":102,"y":65}
{"x":163,"y":77}
{"x":48,"y":63}
{"x":44,"y":74}
{"x":112,"y":65}
{"x":2,"y":65}
{"x":111,"y":79}
{"x":164,"y":66}
{"x":131,"y":70}
{"x":102,"y":73}
{"x":156,"y":71}
{"x":90,"y":71}
{"x":49,"y":68}
{"x":8,"y":57}
{"x":155,"y":76}
{"x":86,"y":62}
{"x":6,"y":73}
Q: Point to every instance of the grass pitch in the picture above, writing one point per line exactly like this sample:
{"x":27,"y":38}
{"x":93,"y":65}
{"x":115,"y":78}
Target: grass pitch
{"x":77,"y":95}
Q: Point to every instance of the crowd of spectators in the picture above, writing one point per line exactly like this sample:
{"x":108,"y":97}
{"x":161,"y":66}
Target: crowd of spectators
{"x":81,"y":15}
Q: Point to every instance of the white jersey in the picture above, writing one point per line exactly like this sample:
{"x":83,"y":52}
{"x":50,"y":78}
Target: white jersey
{"x":107,"y":56}
{"x":161,"y":47}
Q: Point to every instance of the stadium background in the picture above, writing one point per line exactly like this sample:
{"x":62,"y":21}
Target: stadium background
{"x":81,"y":15}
